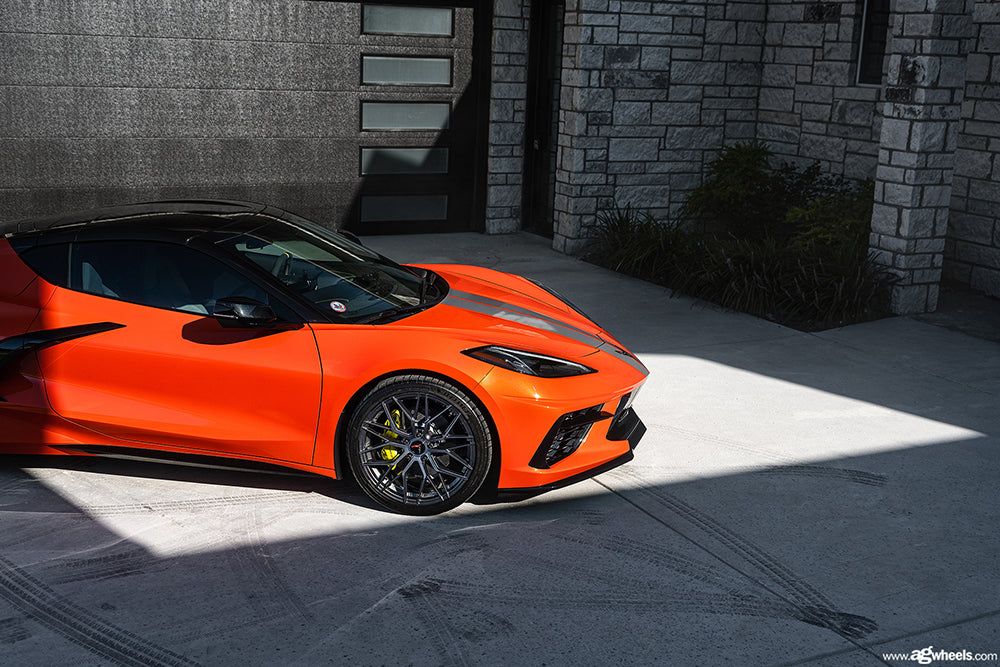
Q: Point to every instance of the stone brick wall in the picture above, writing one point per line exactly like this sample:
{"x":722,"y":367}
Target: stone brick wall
{"x":972,"y":251}
{"x":652,"y":89}
{"x":810,"y":106}
{"x":507,"y":115}
{"x":649,"y":91}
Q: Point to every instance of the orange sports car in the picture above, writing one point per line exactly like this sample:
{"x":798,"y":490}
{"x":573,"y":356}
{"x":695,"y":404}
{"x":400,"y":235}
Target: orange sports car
{"x":205,"y":333}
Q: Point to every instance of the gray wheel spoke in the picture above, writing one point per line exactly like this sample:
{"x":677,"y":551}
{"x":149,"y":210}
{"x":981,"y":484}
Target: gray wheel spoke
{"x":409,"y":464}
{"x":375,"y":448}
{"x":384,"y":479}
{"x":452,"y":474}
{"x":467,"y":441}
{"x":439,"y":415}
{"x":378,"y":430}
{"x":399,"y":475}
{"x":423,"y":480}
{"x":455,"y":457}
{"x":447,"y":431}
{"x":403,"y":410}
{"x":375,"y":463}
{"x":442,"y":493}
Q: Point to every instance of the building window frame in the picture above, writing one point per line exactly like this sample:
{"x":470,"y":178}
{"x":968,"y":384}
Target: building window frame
{"x":873,"y":38}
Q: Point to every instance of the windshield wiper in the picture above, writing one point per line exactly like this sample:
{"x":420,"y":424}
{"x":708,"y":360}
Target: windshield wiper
{"x":391,"y":313}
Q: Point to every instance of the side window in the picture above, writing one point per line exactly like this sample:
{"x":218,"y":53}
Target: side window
{"x":51,"y":262}
{"x":162,"y":275}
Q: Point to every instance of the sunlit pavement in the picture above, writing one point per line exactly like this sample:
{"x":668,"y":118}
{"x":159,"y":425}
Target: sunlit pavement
{"x":818,"y":499}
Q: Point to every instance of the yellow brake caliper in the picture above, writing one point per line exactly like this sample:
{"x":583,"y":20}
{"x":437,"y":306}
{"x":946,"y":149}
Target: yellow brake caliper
{"x":390,"y":453}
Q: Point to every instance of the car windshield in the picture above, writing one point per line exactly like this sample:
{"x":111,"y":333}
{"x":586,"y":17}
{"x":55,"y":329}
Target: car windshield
{"x":343,"y":279}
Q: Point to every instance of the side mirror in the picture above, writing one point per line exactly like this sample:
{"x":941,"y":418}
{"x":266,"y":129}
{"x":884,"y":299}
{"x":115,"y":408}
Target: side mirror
{"x":240,"y":312}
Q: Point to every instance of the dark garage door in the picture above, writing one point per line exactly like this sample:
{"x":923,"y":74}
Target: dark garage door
{"x":365,"y":115}
{"x":417,"y":110}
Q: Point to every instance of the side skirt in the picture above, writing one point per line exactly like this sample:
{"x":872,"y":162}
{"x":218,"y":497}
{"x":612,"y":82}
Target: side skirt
{"x":187,"y":460}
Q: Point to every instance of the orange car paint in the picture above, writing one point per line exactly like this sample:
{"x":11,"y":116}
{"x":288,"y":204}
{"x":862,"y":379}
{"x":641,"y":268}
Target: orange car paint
{"x":176,"y":381}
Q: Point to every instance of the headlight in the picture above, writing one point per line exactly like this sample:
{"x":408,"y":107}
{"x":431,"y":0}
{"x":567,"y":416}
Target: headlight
{"x":528,"y":363}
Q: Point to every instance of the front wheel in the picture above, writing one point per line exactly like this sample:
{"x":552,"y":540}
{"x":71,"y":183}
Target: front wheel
{"x":418,"y":445}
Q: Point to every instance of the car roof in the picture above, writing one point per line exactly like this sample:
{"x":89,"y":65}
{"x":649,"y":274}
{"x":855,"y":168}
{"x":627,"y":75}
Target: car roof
{"x":130,"y":214}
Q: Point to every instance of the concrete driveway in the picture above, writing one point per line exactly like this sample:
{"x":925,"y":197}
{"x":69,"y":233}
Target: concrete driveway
{"x":818,"y":499}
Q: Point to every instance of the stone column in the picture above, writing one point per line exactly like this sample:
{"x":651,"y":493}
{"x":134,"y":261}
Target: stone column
{"x":583,"y":106}
{"x":507,"y":115}
{"x":922,"y":101}
{"x":972,"y":254}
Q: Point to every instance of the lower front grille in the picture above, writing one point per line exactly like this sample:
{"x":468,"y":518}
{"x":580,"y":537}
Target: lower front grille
{"x":566,"y":436}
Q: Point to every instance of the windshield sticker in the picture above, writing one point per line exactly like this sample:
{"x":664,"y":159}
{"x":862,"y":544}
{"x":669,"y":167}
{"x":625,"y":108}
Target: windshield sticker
{"x":338,"y":306}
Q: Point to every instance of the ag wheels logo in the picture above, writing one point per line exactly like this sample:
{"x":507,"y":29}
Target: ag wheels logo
{"x":927,"y":656}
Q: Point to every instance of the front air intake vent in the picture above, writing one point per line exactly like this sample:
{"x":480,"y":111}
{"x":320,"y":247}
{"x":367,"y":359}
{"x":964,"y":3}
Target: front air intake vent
{"x":566,"y":436}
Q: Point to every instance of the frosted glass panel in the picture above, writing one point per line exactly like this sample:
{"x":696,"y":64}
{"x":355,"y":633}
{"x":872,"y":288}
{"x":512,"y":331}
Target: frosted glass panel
{"x":405,"y":115}
{"x":407,"y":20}
{"x":398,"y":70}
{"x":385,"y":208}
{"x":404,"y":161}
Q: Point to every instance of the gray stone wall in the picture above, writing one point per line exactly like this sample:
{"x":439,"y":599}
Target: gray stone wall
{"x":649,"y":91}
{"x":972,"y":251}
{"x":507,"y":116}
{"x":811,"y":107}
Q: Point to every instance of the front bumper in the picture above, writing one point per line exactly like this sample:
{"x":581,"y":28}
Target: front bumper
{"x":626,"y":427}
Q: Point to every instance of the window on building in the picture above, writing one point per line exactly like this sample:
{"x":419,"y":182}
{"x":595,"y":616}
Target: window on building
{"x":874,"y":32}
{"x":406,"y":70}
{"x":395,"y":20}
{"x":387,"y":160}
{"x":405,"y":115}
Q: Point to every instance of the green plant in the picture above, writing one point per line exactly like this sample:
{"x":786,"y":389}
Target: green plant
{"x":744,"y":196}
{"x":785,"y":244}
{"x":836,"y":221}
{"x":737,"y":196}
{"x":633,"y":242}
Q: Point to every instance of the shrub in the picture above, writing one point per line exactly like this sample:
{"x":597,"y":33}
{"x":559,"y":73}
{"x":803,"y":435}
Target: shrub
{"x":744,"y":197}
{"x":784,"y":244}
{"x":736,"y":197}
{"x":635,"y":242}
{"x":838,"y":222}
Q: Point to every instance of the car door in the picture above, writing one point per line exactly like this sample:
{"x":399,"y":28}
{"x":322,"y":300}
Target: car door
{"x":171,"y":377}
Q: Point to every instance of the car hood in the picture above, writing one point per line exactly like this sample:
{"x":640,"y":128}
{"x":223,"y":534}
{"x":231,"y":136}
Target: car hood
{"x":504,"y":309}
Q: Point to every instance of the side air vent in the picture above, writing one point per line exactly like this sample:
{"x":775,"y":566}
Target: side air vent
{"x":566,"y":436}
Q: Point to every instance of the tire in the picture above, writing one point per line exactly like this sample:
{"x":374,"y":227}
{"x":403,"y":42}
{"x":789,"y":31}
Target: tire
{"x":418,"y":445}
